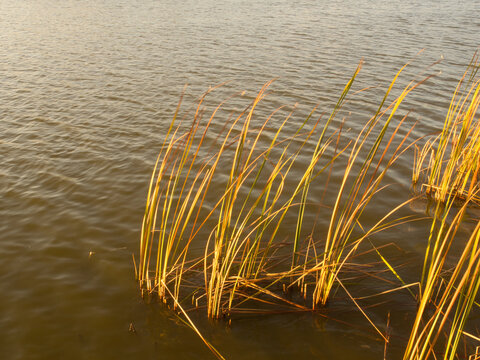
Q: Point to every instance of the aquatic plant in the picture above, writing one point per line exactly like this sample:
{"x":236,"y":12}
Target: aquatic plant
{"x":352,"y":199}
{"x":454,"y":155}
{"x":227,"y":190}
{"x":250,"y":210}
{"x":448,"y":286}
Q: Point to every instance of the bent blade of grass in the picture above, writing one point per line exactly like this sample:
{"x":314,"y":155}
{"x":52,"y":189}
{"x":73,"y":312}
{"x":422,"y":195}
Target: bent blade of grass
{"x":394,"y":272}
{"x":192,"y":326}
{"x":362,"y":311}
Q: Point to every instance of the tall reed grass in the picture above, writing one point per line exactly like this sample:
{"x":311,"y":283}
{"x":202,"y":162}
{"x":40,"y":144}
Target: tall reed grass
{"x":244,"y":212}
{"x":447,"y":166}
{"x":449,"y":286}
{"x":224,"y":194}
{"x":454,"y":155}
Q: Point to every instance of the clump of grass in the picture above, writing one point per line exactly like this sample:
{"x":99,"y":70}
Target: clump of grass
{"x":228,"y":193}
{"x":449,"y":284}
{"x":246,"y":216}
{"x":243,"y":220}
{"x":181,"y":179}
{"x":352,"y":199}
{"x":445,"y":300}
{"x":454,"y":155}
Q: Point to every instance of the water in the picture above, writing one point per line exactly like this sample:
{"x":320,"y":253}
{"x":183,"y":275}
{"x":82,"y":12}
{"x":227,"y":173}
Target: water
{"x":88,"y":88}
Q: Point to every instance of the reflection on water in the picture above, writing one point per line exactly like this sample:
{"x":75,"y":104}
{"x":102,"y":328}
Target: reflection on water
{"x":87,"y":91}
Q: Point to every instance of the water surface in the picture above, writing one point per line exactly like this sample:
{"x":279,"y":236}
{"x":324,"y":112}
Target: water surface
{"x":88,"y":88}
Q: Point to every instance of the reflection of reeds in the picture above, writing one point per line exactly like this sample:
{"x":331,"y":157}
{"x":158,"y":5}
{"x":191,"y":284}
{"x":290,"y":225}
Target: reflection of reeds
{"x":454,"y":162}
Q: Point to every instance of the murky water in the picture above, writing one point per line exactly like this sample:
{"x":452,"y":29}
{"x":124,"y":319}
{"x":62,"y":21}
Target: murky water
{"x":87,"y":90}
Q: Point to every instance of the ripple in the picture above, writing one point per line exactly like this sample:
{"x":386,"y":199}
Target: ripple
{"x":88,"y":91}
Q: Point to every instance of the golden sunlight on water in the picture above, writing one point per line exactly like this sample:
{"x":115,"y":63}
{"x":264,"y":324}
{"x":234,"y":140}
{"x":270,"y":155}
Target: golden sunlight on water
{"x":88,"y":89}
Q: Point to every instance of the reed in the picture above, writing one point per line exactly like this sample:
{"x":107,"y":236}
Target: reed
{"x":445,"y":300}
{"x":453,"y":166}
{"x":179,"y":185}
{"x":239,"y":229}
{"x":247,"y":228}
{"x":356,"y":190}
{"x":448,"y":292}
{"x":230,"y":192}
{"x":174,"y":201}
{"x":246,"y":216}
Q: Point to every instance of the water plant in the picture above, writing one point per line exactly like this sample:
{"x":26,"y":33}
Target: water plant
{"x":448,"y":286}
{"x":454,"y":155}
{"x":352,"y":199}
{"x":447,"y":166}
{"x":222,"y":193}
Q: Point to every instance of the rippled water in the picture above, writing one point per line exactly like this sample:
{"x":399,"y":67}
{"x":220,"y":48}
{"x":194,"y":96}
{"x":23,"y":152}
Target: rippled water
{"x":87,"y":90}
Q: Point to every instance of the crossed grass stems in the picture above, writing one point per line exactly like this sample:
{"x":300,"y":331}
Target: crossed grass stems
{"x":237,"y":218}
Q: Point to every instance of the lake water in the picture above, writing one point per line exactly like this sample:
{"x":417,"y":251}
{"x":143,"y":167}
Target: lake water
{"x":87,"y":92}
